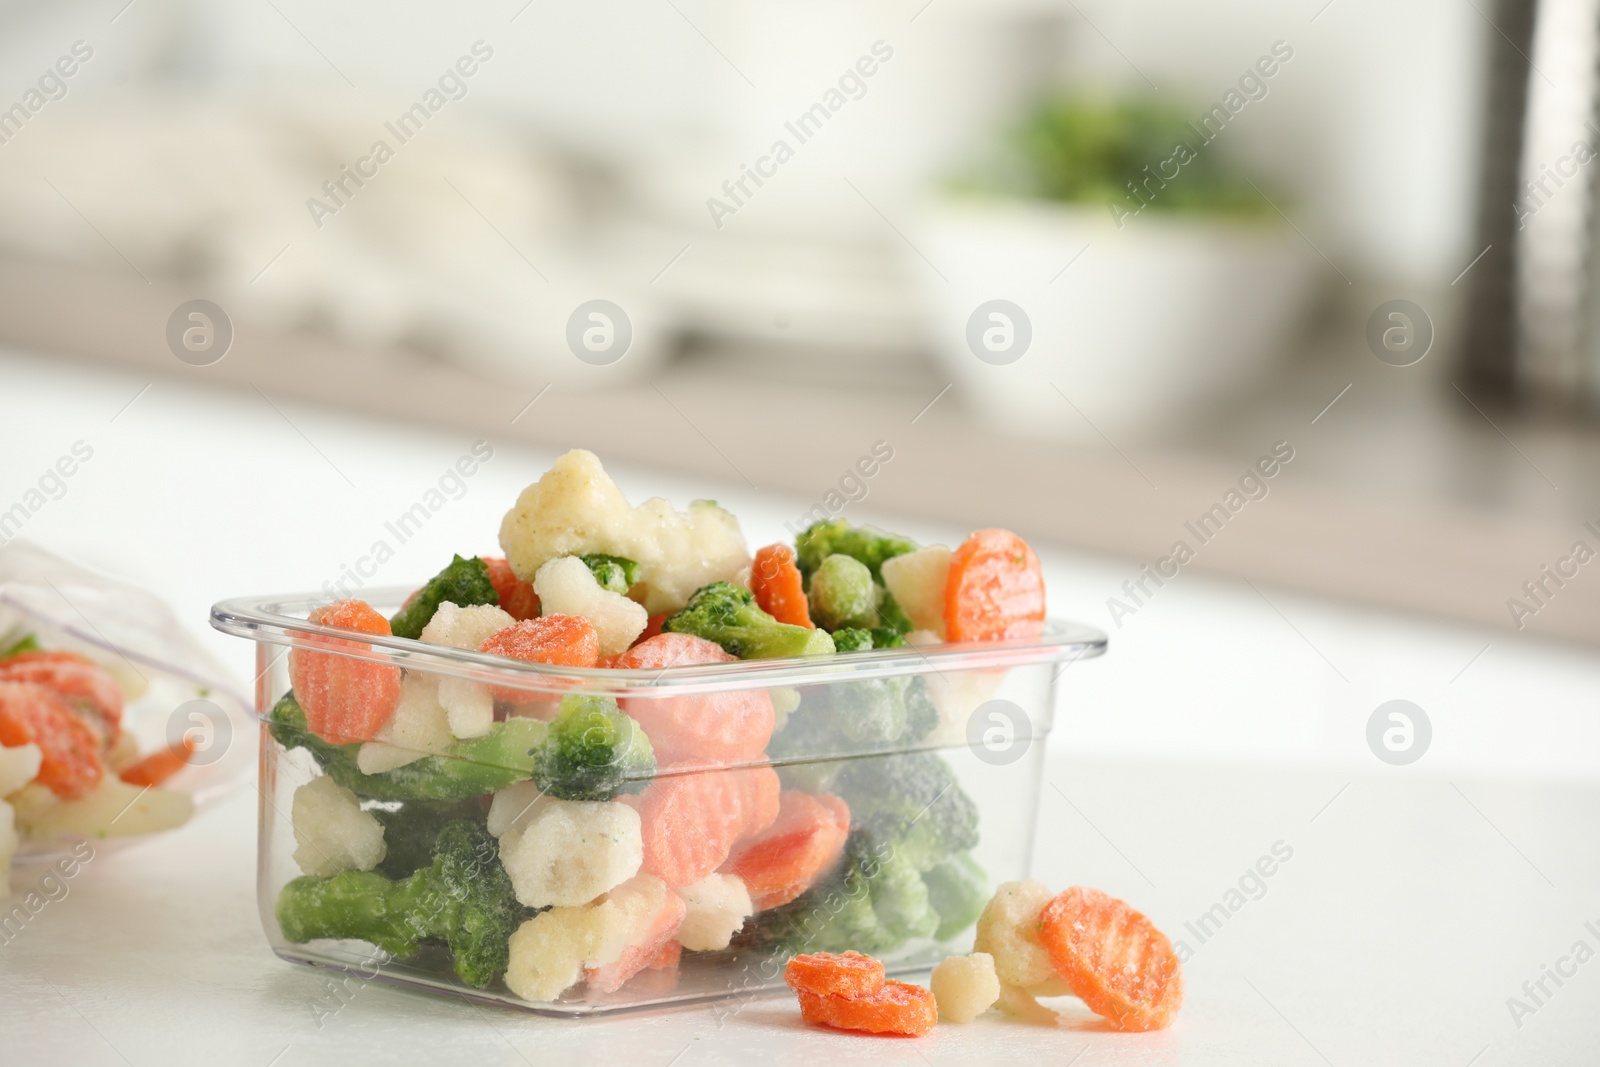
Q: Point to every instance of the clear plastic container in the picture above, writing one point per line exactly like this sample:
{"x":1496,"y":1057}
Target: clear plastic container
{"x":935,"y":752}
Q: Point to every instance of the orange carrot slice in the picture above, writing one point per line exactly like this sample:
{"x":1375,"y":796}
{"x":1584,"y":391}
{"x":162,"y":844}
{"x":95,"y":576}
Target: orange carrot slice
{"x":894,"y":1008}
{"x":1113,"y":958}
{"x":776,"y":582}
{"x":691,"y":822}
{"x":805,"y":840}
{"x":845,"y":974}
{"x":517,"y":597}
{"x":995,"y":590}
{"x":31,"y":714}
{"x":707,"y":728}
{"x":344,"y":699}
{"x":87,"y":687}
{"x":160,"y":765}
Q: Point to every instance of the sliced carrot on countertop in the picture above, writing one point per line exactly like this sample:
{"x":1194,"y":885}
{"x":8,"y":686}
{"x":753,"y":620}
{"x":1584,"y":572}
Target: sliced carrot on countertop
{"x":894,"y":1008}
{"x":1113,"y":958}
{"x":842,"y":974}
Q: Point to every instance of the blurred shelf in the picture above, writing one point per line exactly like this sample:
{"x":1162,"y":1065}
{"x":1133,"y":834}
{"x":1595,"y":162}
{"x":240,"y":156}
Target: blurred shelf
{"x":1405,"y":498}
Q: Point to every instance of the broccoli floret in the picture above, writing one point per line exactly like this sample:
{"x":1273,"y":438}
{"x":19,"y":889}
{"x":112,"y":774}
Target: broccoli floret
{"x":887,"y":636}
{"x":470,"y":768}
{"x":892,"y":618}
{"x":410,"y":830}
{"x":807,"y":733}
{"x":922,"y":714}
{"x":837,"y":537}
{"x":836,"y":916}
{"x":958,"y":890}
{"x":463,"y":899}
{"x":593,"y":752}
{"x":614,"y":573}
{"x":464,"y":582}
{"x":852,"y":640}
{"x":910,"y":804}
{"x":899,"y":895}
{"x":842,"y":594}
{"x":728,"y":615}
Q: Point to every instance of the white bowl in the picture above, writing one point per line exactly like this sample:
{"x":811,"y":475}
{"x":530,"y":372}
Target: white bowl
{"x":1148,"y":324}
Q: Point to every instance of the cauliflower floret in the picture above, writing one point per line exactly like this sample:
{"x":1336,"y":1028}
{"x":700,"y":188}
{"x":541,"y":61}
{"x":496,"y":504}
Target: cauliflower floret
{"x":419,"y":725}
{"x":916,"y":580}
{"x":717,"y":906}
{"x":576,"y":508}
{"x":551,"y":951}
{"x":1020,"y":1004}
{"x":468,"y":706}
{"x":8,"y":846}
{"x":566,"y":586}
{"x":513,"y":807}
{"x":571,"y":851}
{"x":1008,"y":930}
{"x":19,"y":765}
{"x":331,"y":831}
{"x":466,"y":627}
{"x":965,"y":987}
{"x":548,"y":951}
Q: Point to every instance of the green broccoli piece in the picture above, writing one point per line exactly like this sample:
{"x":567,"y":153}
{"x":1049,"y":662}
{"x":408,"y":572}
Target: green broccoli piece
{"x":411,"y":828}
{"x":852,"y":640}
{"x":958,"y":890}
{"x":922,"y":714}
{"x":887,"y":636}
{"x":892,"y":618}
{"x":463,"y":899}
{"x":614,"y":573}
{"x":909,"y":803}
{"x":808,"y":733}
{"x":470,"y":768}
{"x":728,"y":615}
{"x":900,"y":898}
{"x":465,"y":581}
{"x":833,"y":537}
{"x":842,"y":594}
{"x":834,"y":916}
{"x":593,"y":752}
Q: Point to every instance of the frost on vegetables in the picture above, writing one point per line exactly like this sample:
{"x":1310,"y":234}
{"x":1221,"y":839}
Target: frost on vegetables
{"x":63,"y":752}
{"x":562,"y":841}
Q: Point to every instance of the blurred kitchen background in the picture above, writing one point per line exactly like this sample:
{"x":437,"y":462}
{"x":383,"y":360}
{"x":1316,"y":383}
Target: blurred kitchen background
{"x":1204,"y":213}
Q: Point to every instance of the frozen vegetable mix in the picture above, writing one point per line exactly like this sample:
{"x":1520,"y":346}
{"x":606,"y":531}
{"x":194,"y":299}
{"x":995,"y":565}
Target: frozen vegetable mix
{"x":492,"y":787}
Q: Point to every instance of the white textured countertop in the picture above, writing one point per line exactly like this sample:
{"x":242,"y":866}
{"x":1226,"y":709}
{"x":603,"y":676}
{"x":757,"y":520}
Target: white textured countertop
{"x":1225,"y":720}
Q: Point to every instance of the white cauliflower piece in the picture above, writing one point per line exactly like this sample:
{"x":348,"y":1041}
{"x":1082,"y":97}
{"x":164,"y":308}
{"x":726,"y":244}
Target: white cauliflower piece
{"x":965,"y":987}
{"x":468,"y":627}
{"x":566,"y":586}
{"x":468,"y":706}
{"x":513,"y":807}
{"x":19,"y":765}
{"x":917,"y":580}
{"x":113,"y":808}
{"x":716,"y":908}
{"x":331,"y":832}
{"x":375,"y":757}
{"x":1008,"y":930}
{"x":549,"y":951}
{"x":8,"y":846}
{"x":576,"y":508}
{"x":419,"y":722}
{"x":571,"y":851}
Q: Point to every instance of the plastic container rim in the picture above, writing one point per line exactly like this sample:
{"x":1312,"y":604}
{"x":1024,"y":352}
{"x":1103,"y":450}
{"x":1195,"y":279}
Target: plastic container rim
{"x":280,"y":620}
